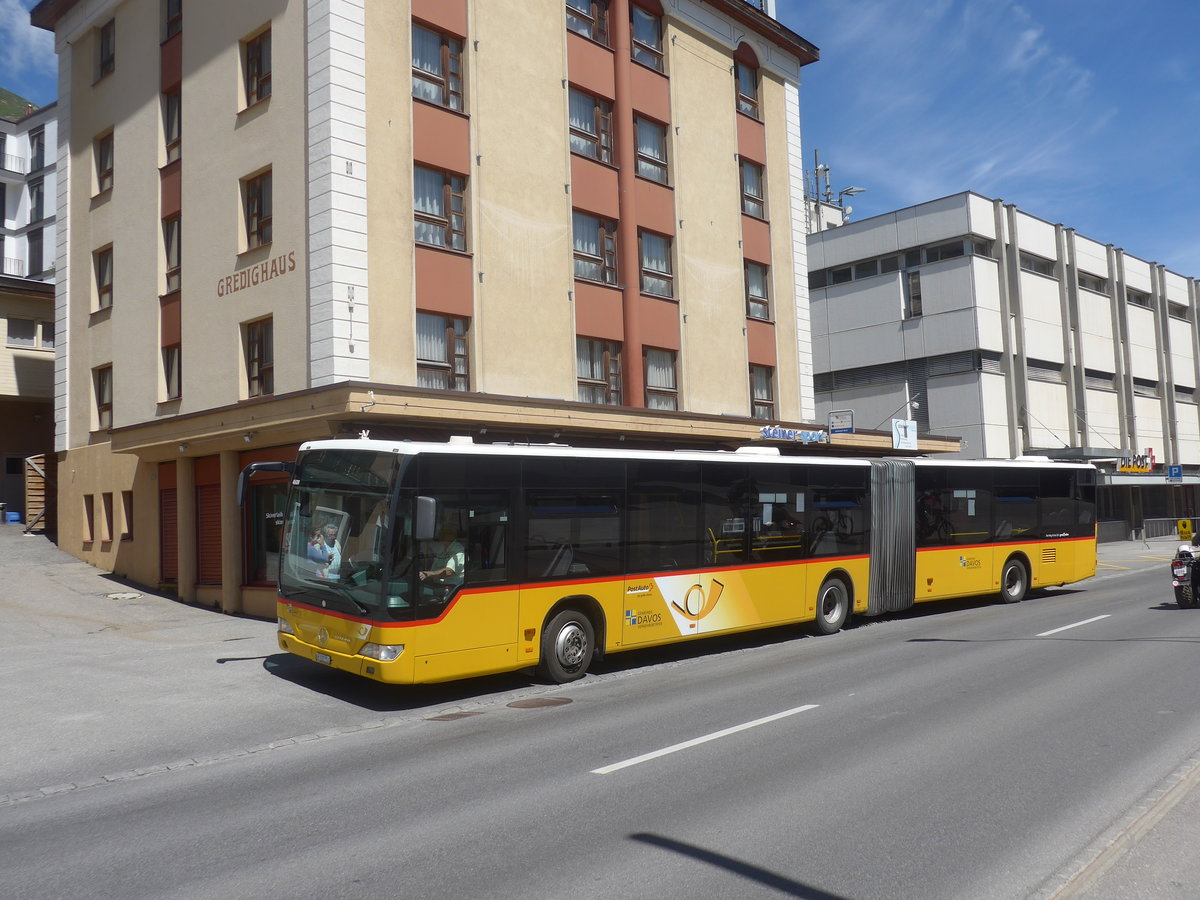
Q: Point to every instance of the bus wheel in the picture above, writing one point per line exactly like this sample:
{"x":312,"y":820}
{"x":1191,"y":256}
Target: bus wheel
{"x":1014,"y":581}
{"x":568,"y":643}
{"x":833,"y":606}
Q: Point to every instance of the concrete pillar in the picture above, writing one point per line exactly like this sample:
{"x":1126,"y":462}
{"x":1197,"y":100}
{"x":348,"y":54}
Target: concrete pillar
{"x":185,"y":526}
{"x":232,"y":542}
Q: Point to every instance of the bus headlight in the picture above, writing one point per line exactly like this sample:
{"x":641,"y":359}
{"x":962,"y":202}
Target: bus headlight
{"x":382,"y":652}
{"x":285,"y":627}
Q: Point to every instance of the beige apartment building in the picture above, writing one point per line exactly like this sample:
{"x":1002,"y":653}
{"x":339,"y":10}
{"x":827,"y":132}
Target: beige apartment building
{"x":576,"y":221}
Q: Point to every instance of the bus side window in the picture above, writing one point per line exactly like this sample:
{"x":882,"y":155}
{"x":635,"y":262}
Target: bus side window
{"x":487,"y":538}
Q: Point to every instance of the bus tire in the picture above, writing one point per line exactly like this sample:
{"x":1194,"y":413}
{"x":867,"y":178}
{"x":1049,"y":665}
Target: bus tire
{"x":1014,"y":581}
{"x":568,"y":644}
{"x":833,"y":606}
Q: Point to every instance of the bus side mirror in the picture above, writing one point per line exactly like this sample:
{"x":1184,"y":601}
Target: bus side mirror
{"x":426,"y":519}
{"x":248,"y":472}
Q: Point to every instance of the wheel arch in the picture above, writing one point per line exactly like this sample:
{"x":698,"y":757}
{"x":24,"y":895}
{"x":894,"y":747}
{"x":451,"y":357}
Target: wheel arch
{"x":590,"y":607}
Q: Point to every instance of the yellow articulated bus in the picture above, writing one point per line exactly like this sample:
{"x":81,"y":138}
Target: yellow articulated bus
{"x":408,"y":562}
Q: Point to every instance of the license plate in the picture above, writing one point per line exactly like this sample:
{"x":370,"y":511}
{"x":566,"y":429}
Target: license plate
{"x":1179,"y":571}
{"x":324,"y":658}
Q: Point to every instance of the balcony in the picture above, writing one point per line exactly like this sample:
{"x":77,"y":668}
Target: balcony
{"x":14,"y":267}
{"x":12,"y":165}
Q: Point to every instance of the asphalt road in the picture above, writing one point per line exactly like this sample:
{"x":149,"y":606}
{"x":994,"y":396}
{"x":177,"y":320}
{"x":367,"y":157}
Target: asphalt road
{"x":965,"y":750}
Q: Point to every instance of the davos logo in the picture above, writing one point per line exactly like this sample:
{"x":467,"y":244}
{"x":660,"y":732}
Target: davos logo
{"x":969,"y":562}
{"x":775,"y":433}
{"x":642,"y":618}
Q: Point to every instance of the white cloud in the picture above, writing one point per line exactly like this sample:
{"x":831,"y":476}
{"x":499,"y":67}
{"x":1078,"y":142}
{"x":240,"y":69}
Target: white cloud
{"x":25,"y":51}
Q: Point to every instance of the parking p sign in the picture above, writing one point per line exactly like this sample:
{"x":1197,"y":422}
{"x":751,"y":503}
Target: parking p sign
{"x":1175,"y":473}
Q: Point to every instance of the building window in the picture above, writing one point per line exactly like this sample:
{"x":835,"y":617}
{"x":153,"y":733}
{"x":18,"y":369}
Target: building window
{"x":762,"y":400}
{"x":647,"y":37}
{"x":171,"y":248}
{"x":437,"y":68}
{"x":598,"y":367}
{"x":37,"y":149}
{"x":912,"y":295}
{"x":439,"y":201}
{"x":106,"y":57}
{"x":257,"y":65}
{"x":656,"y":264}
{"x":753,"y":198}
{"x":260,"y":358}
{"x":589,"y":18}
{"x":89,"y":518}
{"x":595,"y":248}
{"x":256,"y":193}
{"x":591,"y":126}
{"x":37,"y":200}
{"x":104,"y":163}
{"x":127,"y":515}
{"x":37,"y":262}
{"x":1036,"y":264}
{"x":661,"y":392}
{"x":747,"y":88}
{"x":1093,"y":283}
{"x":1136,"y":297}
{"x":442,"y":353}
{"x":172,"y":360}
{"x":172,"y":125}
{"x":103,"y":262}
{"x":951,"y":250}
{"x":651,"y":149}
{"x":172,"y":18}
{"x":103,"y":381}
{"x":22,"y":333}
{"x":758,"y":297}
{"x":30,"y":334}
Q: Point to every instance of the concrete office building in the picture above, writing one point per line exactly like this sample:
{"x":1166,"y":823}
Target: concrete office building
{"x":555,"y":220}
{"x":978,"y":319}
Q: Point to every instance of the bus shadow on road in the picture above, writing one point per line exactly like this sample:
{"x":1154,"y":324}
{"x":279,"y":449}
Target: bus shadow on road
{"x":372,"y":695}
{"x":378,"y":697}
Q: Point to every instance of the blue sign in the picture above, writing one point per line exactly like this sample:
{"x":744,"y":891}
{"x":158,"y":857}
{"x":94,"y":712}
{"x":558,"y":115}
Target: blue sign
{"x":1174,"y":473}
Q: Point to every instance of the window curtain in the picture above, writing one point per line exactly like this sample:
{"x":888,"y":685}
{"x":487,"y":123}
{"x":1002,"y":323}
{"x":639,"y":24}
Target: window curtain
{"x":429,"y":198}
{"x":431,"y":338}
{"x":760,"y":381}
{"x":660,"y":369}
{"x":586,"y":231}
{"x":756,"y":282}
{"x":651,"y":140}
{"x":589,"y":359}
{"x":427,"y":57}
{"x":656,"y":253}
{"x":752,"y":180}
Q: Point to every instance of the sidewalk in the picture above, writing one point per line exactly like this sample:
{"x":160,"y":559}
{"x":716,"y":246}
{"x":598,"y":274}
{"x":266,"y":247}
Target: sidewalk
{"x":1150,"y":853}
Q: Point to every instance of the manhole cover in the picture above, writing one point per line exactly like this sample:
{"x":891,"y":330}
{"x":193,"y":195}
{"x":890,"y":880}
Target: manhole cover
{"x":539,"y":702}
{"x":126,"y":596}
{"x":450,"y":717}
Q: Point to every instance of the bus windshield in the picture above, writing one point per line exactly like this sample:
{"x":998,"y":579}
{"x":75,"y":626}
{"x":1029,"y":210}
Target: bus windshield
{"x":340,"y":529}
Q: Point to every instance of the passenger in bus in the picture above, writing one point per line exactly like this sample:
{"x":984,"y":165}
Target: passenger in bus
{"x":330,"y":548}
{"x":316,"y":552}
{"x":447,"y":561}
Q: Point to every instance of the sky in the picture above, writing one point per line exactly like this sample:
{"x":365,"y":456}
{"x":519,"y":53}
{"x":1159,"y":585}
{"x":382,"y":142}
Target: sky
{"x":1079,"y":112}
{"x":1084,"y":112}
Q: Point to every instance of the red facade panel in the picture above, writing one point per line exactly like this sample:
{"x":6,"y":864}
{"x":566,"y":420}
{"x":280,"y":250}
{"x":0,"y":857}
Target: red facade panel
{"x":760,"y":343}
{"x":598,"y":311}
{"x":590,"y":66}
{"x":445,"y":282}
{"x":594,"y":187}
{"x":441,"y":138}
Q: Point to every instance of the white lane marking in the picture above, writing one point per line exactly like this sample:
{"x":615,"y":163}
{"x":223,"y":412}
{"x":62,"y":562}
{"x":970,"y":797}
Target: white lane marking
{"x":1076,"y":625}
{"x":675,"y":748}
